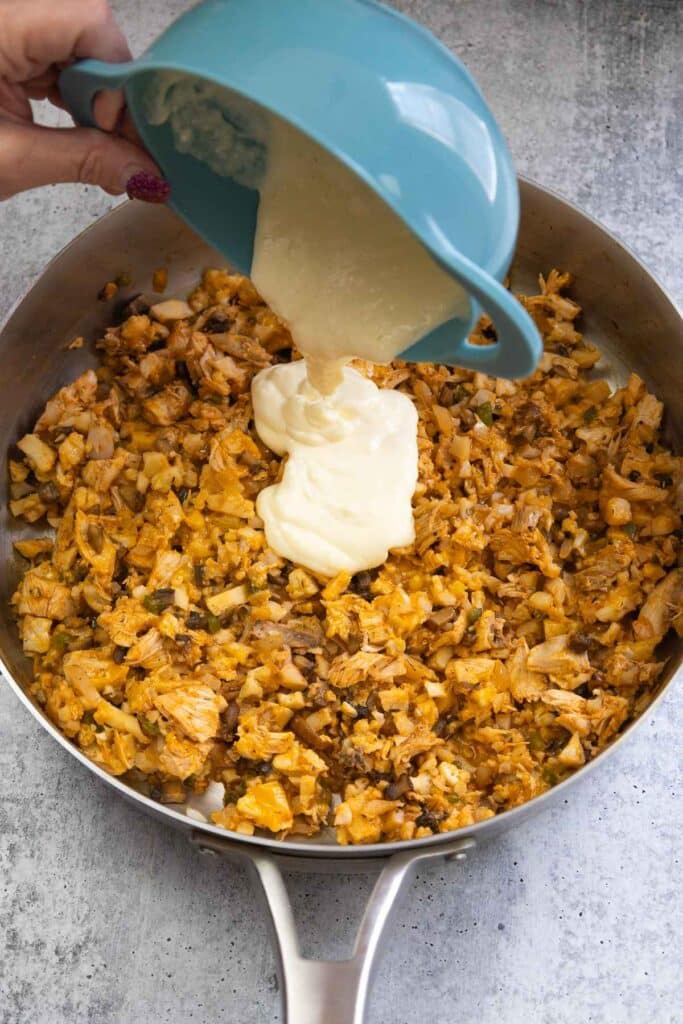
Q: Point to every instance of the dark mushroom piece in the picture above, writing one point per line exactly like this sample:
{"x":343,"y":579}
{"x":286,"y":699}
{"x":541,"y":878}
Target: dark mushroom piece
{"x":426,"y":819}
{"x":137,"y":305}
{"x":228,"y":726}
{"x":307,"y":734}
{"x":395,"y":790}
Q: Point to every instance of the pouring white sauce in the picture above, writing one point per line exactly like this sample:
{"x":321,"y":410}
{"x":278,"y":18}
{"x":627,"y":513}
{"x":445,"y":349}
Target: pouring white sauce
{"x":337,"y":264}
{"x":349,"y":280}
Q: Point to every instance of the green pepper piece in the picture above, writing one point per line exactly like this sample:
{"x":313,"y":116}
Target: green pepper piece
{"x":213,"y":623}
{"x":535,"y":742}
{"x":473,"y":615}
{"x":159,"y":600}
{"x":232,"y":795}
{"x":485,"y":413}
{"x":60,"y":641}
{"x":149,"y":727}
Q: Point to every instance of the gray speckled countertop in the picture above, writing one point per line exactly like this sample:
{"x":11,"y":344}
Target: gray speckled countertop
{"x":108,"y":918}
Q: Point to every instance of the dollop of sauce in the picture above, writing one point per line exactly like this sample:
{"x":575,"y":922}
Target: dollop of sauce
{"x":345,"y":495}
{"x":349,"y":279}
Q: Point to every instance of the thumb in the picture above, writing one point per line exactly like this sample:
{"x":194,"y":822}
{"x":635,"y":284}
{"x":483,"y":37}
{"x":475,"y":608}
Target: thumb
{"x":31,"y":155}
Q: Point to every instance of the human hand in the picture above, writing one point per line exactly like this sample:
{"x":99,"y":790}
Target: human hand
{"x":37,"y":39}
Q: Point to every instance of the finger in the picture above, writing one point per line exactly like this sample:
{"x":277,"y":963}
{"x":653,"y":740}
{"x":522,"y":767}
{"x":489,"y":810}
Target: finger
{"x":128,"y":130}
{"x":107,"y":108}
{"x":32,"y":37}
{"x":14,"y":103}
{"x":31,"y":155}
{"x":100,"y":36}
{"x":39,"y":87}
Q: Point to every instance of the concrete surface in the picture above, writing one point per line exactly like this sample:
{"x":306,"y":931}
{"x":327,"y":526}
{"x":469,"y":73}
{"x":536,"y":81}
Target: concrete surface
{"x":107,"y":918}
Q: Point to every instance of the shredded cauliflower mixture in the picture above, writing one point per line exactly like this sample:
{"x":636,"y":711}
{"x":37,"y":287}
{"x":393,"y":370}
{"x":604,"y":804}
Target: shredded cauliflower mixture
{"x":468,"y":674}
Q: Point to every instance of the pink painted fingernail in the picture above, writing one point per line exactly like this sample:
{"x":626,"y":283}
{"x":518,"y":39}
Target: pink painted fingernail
{"x":148,"y":187}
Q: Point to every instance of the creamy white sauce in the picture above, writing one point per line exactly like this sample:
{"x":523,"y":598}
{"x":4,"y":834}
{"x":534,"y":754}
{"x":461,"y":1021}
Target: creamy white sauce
{"x":350,"y":280}
{"x":345,"y":495}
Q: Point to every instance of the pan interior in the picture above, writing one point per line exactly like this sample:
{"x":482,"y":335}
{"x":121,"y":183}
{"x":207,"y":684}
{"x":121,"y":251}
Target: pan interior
{"x":626,"y":314}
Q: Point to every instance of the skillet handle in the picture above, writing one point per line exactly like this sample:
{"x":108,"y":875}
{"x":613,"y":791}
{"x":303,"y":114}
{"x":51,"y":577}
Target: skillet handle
{"x":329,"y":991}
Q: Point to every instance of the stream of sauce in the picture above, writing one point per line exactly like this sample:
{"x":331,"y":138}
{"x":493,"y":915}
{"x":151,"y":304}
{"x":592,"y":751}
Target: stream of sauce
{"x":349,"y":279}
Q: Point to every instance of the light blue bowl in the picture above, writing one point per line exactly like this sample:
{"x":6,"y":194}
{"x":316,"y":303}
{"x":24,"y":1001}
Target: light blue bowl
{"x":388,"y":100}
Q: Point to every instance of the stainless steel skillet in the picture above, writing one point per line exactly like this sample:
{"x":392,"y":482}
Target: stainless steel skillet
{"x":626,"y":313}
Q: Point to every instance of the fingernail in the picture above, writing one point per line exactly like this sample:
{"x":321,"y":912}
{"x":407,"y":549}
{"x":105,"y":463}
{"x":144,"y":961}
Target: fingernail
{"x":148,"y":187}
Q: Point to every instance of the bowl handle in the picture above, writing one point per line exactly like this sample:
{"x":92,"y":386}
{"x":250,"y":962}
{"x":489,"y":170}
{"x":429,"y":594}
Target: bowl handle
{"x":80,"y":83}
{"x":327,"y":991}
{"x":519,"y":346}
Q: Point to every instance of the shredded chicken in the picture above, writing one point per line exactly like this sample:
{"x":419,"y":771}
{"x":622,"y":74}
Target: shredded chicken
{"x":466,"y":675}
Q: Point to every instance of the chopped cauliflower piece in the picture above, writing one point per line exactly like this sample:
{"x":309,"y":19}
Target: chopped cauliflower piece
{"x":92,"y":672}
{"x":127,"y":619}
{"x":181,"y":757}
{"x":195,"y":710}
{"x":564,"y":667}
{"x":40,"y":456}
{"x":41,"y":595}
{"x":663,"y":607}
{"x":35,"y":634}
{"x":221,"y":603}
{"x":266,"y":805}
{"x":171,"y":309}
